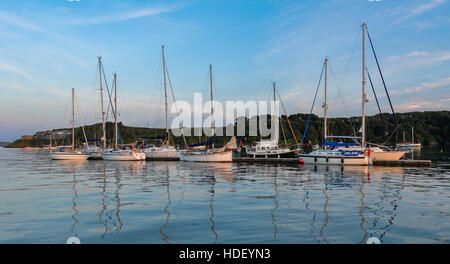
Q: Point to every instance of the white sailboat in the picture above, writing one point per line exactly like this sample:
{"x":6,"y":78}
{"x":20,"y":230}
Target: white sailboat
{"x":409,"y":146}
{"x":119,"y":154}
{"x":224,"y":154}
{"x":166,"y":151}
{"x":72,"y":154}
{"x":330,"y":154}
{"x":377,"y":152}
{"x":270,"y":148}
{"x":95,"y":152}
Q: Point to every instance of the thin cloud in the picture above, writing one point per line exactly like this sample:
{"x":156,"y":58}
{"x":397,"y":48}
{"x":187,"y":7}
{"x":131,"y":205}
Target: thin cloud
{"x":146,"y":12}
{"x":425,"y":7}
{"x":429,"y":85}
{"x":14,"y":69}
{"x":416,"y":59}
{"x":418,"y":10}
{"x":13,"y":20}
{"x":14,"y":87}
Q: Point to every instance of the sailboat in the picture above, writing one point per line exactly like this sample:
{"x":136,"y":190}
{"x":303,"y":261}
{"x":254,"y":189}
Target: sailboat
{"x":331,"y":153}
{"x":409,"y":146}
{"x":120,"y":154}
{"x":377,"y":152}
{"x":72,"y":154}
{"x":223,"y":154}
{"x":166,"y":151}
{"x":270,"y":148}
{"x":95,"y":152}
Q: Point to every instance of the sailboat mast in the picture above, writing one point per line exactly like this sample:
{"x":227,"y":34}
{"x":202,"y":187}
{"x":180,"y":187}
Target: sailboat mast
{"x":325,"y":105}
{"x":275,"y":117}
{"x":212,"y":108}
{"x":101,"y":101}
{"x":165,"y":94}
{"x":73,"y":119}
{"x":412,"y":135}
{"x":115,"y":112}
{"x":363,"y":137}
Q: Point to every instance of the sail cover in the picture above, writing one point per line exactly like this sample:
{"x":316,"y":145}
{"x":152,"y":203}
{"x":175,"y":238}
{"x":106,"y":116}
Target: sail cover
{"x":207,"y":143}
{"x":338,"y":144}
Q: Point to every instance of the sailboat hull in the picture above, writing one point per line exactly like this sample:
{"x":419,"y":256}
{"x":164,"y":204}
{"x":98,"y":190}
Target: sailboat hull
{"x":68,"y":156}
{"x":377,"y":153}
{"x":162,"y":154}
{"x":387,"y":155}
{"x":202,"y":156}
{"x":276,"y":153}
{"x":123,"y":156}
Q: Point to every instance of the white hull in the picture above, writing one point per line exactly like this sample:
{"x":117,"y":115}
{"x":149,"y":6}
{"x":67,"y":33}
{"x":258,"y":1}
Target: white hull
{"x":162,"y":154}
{"x":123,"y":155}
{"x":387,"y":155}
{"x":409,"y":147}
{"x":201,"y":156}
{"x":334,"y":160}
{"x":95,"y":155}
{"x":377,"y":153}
{"x":68,"y":156}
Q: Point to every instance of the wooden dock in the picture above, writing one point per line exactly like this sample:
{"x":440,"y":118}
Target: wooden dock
{"x":402,"y":163}
{"x":268,"y":160}
{"x":387,"y":163}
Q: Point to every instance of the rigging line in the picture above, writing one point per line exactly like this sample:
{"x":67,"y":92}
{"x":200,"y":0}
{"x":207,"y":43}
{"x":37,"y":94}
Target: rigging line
{"x":351,"y":56}
{"x":81,"y":120}
{"x":342,"y":99}
{"x":379,"y":108}
{"x":373,"y":90}
{"x":312,"y":107}
{"x":65,"y":115}
{"x":109,"y":94}
{"x":282,"y":130}
{"x":176,"y":106}
{"x":382,"y":78}
{"x":152,"y":100}
{"x":395,"y":130}
{"x":287,"y":118}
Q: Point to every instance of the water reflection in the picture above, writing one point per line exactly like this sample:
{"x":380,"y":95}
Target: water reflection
{"x":75,"y":196}
{"x":169,"y":201}
{"x":211,"y":206}
{"x":181,"y":202}
{"x":109,"y":215}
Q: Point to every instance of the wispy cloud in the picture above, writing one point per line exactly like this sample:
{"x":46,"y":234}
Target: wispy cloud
{"x":409,"y":13}
{"x":422,"y":105}
{"x":429,"y":85}
{"x":14,"y":69}
{"x":416,"y":59}
{"x":135,"y":14}
{"x":12,"y":20}
{"x":425,"y":7}
{"x":14,"y":87}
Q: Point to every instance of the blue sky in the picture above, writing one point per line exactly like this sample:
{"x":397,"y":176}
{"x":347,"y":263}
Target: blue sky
{"x":48,"y":47}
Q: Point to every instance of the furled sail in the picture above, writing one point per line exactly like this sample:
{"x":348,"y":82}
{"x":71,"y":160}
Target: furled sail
{"x":338,"y":144}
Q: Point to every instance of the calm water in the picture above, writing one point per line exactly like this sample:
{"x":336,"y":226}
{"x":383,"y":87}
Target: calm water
{"x":44,"y":201}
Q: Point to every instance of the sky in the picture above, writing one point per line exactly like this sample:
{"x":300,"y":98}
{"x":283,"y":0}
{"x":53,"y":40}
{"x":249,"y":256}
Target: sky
{"x":48,"y":47}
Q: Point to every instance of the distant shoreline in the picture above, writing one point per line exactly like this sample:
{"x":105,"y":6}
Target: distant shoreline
{"x":4,"y":144}
{"x":430,"y":127}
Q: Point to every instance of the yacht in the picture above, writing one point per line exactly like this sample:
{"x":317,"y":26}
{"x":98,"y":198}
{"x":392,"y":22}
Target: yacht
{"x":120,"y":154}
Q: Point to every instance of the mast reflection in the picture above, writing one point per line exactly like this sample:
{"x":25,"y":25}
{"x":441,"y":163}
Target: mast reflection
{"x":166,"y":208}
{"x":109,"y":215}
{"x":74,"y":201}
